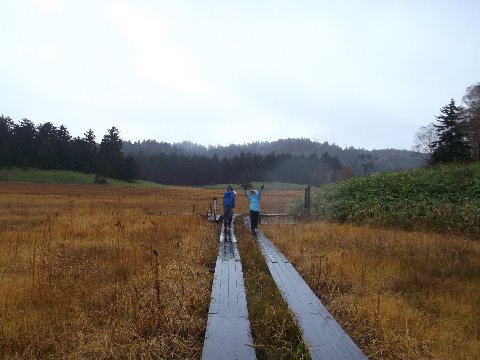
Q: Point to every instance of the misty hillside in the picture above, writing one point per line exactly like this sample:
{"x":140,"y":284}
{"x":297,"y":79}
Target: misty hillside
{"x":360,"y":160}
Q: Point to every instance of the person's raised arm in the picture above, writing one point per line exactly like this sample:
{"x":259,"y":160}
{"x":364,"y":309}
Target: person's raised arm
{"x":261,"y":190}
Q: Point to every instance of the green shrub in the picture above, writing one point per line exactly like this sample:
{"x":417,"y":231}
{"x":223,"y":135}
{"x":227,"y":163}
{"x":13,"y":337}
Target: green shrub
{"x":443,"y":198}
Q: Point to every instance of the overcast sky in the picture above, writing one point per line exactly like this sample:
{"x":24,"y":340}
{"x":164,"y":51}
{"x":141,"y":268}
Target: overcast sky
{"x":355,"y":73}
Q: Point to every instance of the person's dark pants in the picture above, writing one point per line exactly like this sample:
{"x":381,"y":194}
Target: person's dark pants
{"x":227,"y":216}
{"x":254,"y":219}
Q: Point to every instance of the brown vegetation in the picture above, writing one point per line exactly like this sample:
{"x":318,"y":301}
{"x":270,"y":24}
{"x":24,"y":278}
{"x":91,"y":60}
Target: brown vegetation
{"x":102,"y":272}
{"x":400,"y":295}
{"x":99,"y":272}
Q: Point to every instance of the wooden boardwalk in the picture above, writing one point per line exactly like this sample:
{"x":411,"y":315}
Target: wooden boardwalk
{"x":228,"y":333}
{"x":324,"y":337}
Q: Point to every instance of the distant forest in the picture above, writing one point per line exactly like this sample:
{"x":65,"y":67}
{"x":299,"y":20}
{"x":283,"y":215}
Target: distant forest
{"x":182,"y":169}
{"x":363,"y":162}
{"x":302,"y":161}
{"x":46,"y":146}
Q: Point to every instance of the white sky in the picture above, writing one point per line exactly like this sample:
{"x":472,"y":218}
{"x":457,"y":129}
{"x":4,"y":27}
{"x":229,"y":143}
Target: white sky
{"x":356,"y":73}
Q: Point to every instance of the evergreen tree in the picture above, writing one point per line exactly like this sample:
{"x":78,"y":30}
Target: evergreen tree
{"x":129,"y":169}
{"x":24,"y":143}
{"x":63,"y":149}
{"x":45,"y":141}
{"x":6,"y":136}
{"x":452,"y":145}
{"x":90,"y":151}
{"x":110,"y":154}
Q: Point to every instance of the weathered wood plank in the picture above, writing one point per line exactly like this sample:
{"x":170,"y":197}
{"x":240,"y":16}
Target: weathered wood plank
{"x":228,"y":333}
{"x":323,"y":336}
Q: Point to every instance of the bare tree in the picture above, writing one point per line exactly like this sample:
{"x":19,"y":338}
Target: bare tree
{"x":424,"y":137}
{"x":472,"y":113}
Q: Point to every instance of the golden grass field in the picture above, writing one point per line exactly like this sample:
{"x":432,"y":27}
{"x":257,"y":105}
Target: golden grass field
{"x":400,"y":295}
{"x":79,"y":277}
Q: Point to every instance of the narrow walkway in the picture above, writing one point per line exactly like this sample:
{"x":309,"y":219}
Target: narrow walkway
{"x":324,"y":337}
{"x":228,"y":333}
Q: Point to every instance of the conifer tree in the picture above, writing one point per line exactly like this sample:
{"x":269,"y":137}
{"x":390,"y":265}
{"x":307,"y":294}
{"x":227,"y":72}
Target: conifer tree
{"x":90,"y":151}
{"x":6,"y":135}
{"x":452,"y":144}
{"x":110,"y":154}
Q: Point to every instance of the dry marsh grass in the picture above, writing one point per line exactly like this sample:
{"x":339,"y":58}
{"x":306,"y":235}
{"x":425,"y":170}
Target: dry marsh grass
{"x":96,"y":272}
{"x":107,"y":272}
{"x":400,"y":295}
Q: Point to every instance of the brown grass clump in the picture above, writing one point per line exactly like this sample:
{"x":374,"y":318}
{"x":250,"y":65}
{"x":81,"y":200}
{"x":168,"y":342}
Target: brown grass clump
{"x":100,"y":272}
{"x":400,"y":295}
{"x":276,"y":201}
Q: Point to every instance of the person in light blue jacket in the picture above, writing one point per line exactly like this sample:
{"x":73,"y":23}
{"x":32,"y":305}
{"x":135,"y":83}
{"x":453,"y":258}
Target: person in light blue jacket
{"x":253,"y":197}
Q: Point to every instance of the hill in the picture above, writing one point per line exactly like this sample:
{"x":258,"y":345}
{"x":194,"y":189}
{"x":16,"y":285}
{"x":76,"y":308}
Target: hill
{"x":63,"y":177}
{"x":381,"y":160}
{"x":444,"y":198}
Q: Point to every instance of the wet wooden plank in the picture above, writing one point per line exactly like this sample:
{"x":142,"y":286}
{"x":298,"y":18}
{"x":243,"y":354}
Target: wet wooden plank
{"x":323,"y":336}
{"x":228,"y":333}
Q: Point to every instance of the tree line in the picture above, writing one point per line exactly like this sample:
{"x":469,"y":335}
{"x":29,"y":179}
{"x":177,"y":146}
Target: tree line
{"x":455,"y":135}
{"x":362,"y":161}
{"x":46,"y":146}
{"x":183,"y":169}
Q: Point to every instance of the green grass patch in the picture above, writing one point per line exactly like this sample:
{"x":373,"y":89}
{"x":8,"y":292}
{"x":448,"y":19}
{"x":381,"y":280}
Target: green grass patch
{"x":275,"y":333}
{"x":443,"y":198}
{"x":63,"y":177}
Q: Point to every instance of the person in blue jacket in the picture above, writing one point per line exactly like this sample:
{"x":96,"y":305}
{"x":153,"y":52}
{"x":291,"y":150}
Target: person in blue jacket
{"x":253,"y":197}
{"x":228,"y":206}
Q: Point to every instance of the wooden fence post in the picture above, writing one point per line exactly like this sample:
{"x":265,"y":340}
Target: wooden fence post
{"x":308,"y":206}
{"x":214,"y":207}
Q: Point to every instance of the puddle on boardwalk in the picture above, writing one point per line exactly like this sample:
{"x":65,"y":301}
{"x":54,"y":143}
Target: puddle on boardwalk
{"x":227,"y":248}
